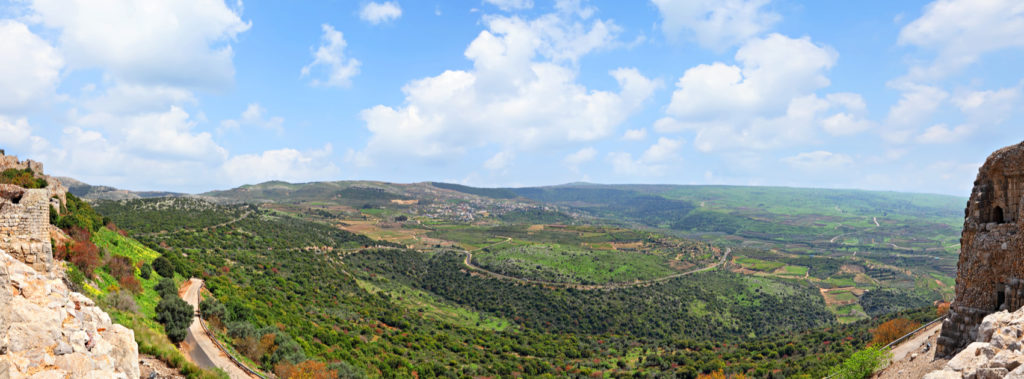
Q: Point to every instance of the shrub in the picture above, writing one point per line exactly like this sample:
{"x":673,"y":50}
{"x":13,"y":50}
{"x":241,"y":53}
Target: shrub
{"x":24,"y":178}
{"x":145,"y":270}
{"x":891,"y":330}
{"x":85,"y":255}
{"x":76,"y":277}
{"x":862,"y":364}
{"x":120,"y":267}
{"x":211,"y":309}
{"x":122,"y":300}
{"x":130,"y":283}
{"x":942,"y":308}
{"x":164,"y":267}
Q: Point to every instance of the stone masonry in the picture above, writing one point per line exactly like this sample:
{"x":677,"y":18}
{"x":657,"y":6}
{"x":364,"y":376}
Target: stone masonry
{"x":991,"y":266}
{"x":25,"y":225}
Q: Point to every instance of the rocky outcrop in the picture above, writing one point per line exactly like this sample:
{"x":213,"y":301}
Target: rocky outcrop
{"x":991,"y":266}
{"x":47,"y":331}
{"x":996,"y":353}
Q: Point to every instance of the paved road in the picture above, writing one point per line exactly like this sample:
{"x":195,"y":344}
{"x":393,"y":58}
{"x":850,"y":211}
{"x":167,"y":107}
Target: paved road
{"x":914,"y":344}
{"x":200,"y":348}
{"x":468,"y":261}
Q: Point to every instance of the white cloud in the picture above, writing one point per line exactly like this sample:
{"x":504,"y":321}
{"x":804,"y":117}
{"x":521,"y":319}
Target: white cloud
{"x":664,"y":150}
{"x":509,"y":5}
{"x":499,"y":161}
{"x":917,"y":105}
{"x":376,"y":13}
{"x":844,"y":124}
{"x":818,"y":160}
{"x":164,"y":42}
{"x":161,"y":135}
{"x":960,"y":31}
{"x":284,"y":164}
{"x":254,"y":115}
{"x":716,"y":24}
{"x":584,"y":155}
{"x":655,"y":161}
{"x":30,"y":71}
{"x":124,"y":98}
{"x":635,"y":134}
{"x":16,"y":137}
{"x":519,"y":95}
{"x":942,"y":134}
{"x":767,"y":101}
{"x":990,"y":107}
{"x":331,"y":57}
{"x":773,"y":70}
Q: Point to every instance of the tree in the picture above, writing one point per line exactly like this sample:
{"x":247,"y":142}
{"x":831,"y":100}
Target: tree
{"x":164,"y":267}
{"x":862,"y":364}
{"x":891,"y":330}
{"x":211,"y":309}
{"x":176,"y":315}
{"x":166,"y":288}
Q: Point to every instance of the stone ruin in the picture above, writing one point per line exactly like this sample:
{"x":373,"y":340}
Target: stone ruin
{"x":990,"y":272}
{"x":25,"y":215}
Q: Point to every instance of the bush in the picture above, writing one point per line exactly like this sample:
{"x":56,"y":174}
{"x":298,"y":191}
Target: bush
{"x":24,"y":178}
{"x":211,"y":309}
{"x":176,"y":315}
{"x":85,"y":255}
{"x":120,"y":267}
{"x":122,"y":300}
{"x":862,"y":364}
{"x":164,"y":267}
{"x":287,"y":350}
{"x":130,"y":283}
{"x":145,"y":271}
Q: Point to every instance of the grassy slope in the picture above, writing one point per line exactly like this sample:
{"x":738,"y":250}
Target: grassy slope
{"x":149,"y":334}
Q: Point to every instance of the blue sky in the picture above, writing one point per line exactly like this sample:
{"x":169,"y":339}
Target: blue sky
{"x":206,"y":94}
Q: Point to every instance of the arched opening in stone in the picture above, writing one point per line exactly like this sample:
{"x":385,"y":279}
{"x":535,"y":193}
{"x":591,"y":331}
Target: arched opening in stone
{"x":1000,"y":300}
{"x":997,"y":215}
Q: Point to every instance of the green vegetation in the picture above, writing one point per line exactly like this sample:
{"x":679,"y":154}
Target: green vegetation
{"x":24,"y":178}
{"x":863,"y":364}
{"x":283,"y":278}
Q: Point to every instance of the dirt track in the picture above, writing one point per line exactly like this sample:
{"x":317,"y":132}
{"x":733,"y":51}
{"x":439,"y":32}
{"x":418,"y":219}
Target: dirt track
{"x":468,"y":261}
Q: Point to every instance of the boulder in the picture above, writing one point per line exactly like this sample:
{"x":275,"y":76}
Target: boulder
{"x":47,"y":331}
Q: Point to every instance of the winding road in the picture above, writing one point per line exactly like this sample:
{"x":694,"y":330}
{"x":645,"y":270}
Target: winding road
{"x":468,"y":261}
{"x":198,"y":347}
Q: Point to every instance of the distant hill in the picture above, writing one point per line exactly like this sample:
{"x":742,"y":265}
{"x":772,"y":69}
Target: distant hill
{"x":91,"y":192}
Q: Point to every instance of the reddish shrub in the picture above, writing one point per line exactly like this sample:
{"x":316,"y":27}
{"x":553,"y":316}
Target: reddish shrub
{"x":86,"y":256}
{"x":120,"y":267}
{"x":80,"y":234}
{"x":131,"y":284}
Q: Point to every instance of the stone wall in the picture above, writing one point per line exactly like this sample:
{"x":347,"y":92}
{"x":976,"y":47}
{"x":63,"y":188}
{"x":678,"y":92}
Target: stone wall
{"x":47,"y":331}
{"x":991,"y":262}
{"x":25,"y":225}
